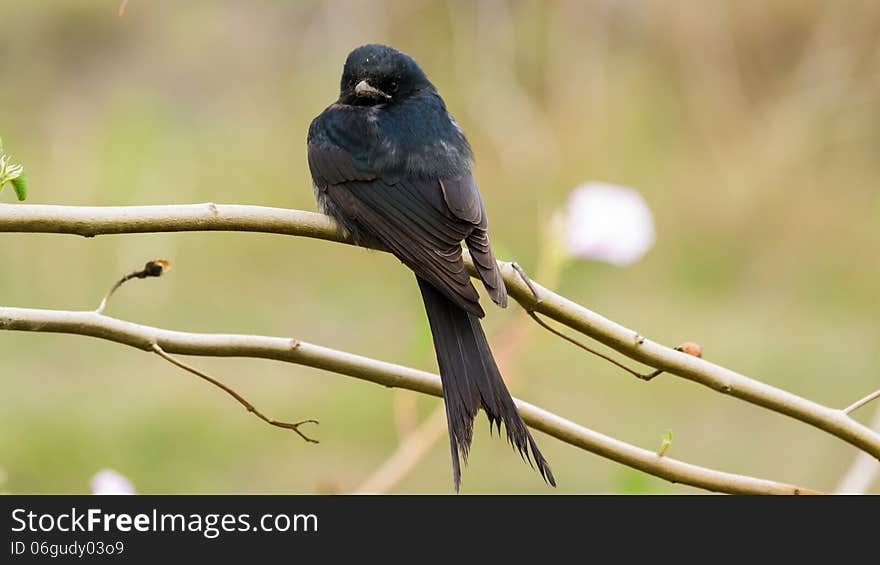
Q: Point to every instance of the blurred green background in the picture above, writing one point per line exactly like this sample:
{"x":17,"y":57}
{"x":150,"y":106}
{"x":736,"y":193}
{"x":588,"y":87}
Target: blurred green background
{"x":751,"y":128}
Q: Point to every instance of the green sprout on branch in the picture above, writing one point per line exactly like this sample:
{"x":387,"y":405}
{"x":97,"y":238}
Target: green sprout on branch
{"x":665,"y":442}
{"x":13,"y":174}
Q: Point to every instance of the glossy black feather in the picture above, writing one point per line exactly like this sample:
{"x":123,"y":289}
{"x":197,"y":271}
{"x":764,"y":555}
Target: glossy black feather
{"x":392,"y":167}
{"x":471,"y":380}
{"x":406,"y":224}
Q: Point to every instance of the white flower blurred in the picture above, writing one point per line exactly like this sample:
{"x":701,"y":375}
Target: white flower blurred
{"x":610,"y":223}
{"x":108,"y":481}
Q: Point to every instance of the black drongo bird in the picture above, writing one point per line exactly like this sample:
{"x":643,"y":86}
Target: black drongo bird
{"x":393,"y":168}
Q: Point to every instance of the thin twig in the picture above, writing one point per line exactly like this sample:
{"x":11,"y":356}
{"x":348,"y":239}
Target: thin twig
{"x":531,"y":312}
{"x":250,"y":407}
{"x":385,"y":374}
{"x":525,"y":278}
{"x":589,"y":349}
{"x":859,"y":403}
{"x":154,"y":268}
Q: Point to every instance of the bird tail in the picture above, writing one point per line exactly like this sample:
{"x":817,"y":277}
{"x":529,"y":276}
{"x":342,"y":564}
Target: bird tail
{"x":471,"y":380}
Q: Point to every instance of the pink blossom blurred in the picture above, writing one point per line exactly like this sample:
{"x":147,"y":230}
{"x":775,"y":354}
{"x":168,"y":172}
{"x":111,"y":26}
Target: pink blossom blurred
{"x":108,"y":481}
{"x":610,"y":223}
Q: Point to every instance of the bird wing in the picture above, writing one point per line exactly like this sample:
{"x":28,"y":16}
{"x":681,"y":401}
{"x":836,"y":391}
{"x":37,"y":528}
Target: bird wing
{"x":463,"y":199}
{"x":422,"y":221}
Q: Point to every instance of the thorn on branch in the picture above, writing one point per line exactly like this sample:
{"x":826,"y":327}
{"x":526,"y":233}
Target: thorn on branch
{"x":250,"y":407}
{"x":154,"y":268}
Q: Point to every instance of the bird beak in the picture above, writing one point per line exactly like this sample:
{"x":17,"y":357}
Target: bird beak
{"x":363,"y":88}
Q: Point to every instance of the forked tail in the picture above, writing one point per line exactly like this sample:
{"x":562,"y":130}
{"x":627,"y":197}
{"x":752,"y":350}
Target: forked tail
{"x":471,"y":381}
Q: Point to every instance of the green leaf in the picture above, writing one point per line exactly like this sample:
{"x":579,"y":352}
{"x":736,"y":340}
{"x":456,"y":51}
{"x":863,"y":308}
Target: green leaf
{"x":20,"y":186}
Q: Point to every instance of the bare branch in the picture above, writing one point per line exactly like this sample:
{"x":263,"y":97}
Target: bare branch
{"x":92,"y":221}
{"x":589,"y":349}
{"x":859,"y":403}
{"x":534,"y":316}
{"x":386,"y":374}
{"x":231,"y":392}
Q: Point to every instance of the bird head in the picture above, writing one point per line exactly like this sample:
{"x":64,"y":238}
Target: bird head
{"x":377,"y":74}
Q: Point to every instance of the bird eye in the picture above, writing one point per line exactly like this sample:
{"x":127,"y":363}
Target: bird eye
{"x":393,"y":86}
